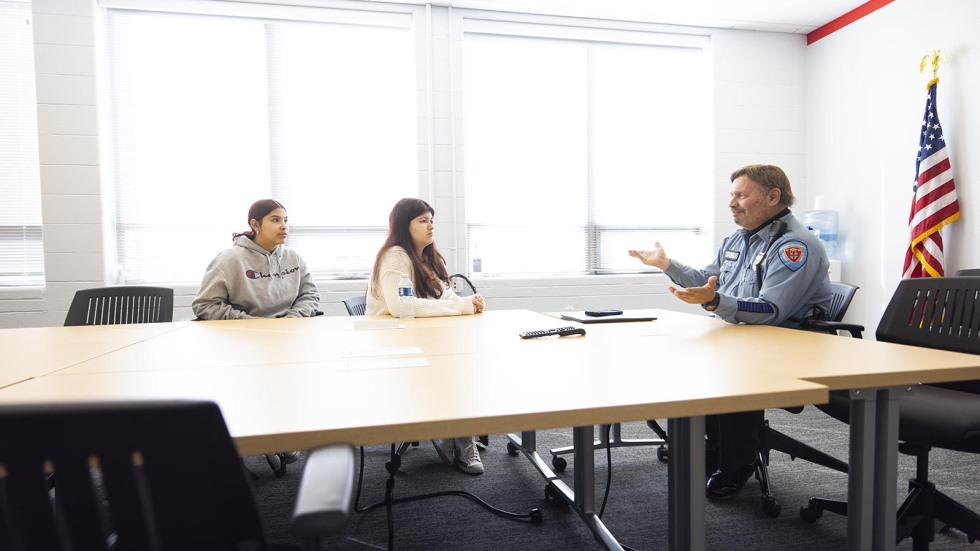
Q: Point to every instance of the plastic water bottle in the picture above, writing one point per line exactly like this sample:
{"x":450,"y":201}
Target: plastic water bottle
{"x":823,"y":224}
{"x":406,"y":298}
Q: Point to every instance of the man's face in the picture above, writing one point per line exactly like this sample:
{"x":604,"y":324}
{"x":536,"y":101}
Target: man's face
{"x":751,"y":204}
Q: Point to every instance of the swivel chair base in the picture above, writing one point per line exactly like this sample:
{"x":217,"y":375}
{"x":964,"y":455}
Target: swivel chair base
{"x":615,"y":440}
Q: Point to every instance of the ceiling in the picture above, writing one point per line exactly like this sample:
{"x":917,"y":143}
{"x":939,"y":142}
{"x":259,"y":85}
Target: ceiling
{"x":787,"y":16}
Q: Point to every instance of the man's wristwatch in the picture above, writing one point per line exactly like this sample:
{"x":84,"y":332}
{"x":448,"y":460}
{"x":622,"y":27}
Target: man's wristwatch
{"x":712,"y":304}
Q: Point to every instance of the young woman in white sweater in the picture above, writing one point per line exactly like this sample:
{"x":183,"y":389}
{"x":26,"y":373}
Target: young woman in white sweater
{"x":410,"y":249}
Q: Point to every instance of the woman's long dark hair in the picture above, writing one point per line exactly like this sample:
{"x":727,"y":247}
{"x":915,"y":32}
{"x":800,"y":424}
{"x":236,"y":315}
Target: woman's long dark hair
{"x":430,"y":266}
{"x":257,"y":212}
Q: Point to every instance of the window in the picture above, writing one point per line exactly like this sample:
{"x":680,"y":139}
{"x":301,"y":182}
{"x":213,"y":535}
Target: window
{"x":318,"y":113}
{"x":579,"y":149}
{"x":21,"y":249}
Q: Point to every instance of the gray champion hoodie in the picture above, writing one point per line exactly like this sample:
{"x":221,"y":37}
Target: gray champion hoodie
{"x":246,"y":281}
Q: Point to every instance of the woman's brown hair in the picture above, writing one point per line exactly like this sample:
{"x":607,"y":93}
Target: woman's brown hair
{"x":430,"y":266}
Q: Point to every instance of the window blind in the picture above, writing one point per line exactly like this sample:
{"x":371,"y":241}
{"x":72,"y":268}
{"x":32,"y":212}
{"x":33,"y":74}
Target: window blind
{"x":209,"y":113}
{"x":579,"y":149}
{"x":21,"y":248}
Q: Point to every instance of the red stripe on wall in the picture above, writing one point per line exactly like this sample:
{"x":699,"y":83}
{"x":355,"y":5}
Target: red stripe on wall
{"x":846,"y":19}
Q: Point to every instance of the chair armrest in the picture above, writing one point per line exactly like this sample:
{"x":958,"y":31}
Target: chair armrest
{"x":833,"y":327}
{"x":324,"y":499}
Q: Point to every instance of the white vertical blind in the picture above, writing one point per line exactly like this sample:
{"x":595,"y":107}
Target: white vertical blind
{"x":210,"y":113}
{"x":21,"y":249}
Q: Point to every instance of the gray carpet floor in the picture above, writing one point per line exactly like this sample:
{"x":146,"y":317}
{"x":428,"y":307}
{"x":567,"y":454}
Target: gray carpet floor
{"x":636,"y":509}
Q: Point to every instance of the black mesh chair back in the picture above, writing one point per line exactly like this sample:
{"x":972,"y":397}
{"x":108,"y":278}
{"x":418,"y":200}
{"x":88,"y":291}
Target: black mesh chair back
{"x":934,"y":312}
{"x":843,"y":294}
{"x":123,"y":304}
{"x":126,"y":475}
{"x":356,"y":305}
{"x":840,"y":300}
{"x":462,"y":285}
{"x":968,"y":272}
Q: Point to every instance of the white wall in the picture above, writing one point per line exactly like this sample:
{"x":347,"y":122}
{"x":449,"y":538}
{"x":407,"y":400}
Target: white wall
{"x":865,"y":100}
{"x":759,"y":111}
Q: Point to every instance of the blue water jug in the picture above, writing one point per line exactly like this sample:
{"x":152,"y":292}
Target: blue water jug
{"x":823,"y":224}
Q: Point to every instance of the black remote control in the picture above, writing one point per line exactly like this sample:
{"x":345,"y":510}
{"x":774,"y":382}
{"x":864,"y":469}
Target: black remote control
{"x":560,"y":331}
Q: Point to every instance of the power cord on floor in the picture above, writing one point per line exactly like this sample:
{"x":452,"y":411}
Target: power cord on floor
{"x":535,"y":516}
{"x":605,"y":496}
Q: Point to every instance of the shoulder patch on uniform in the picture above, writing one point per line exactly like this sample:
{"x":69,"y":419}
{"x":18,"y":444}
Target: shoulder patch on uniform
{"x":793,"y":254}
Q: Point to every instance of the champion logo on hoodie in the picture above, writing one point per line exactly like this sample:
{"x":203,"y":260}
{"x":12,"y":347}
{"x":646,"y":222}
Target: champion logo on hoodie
{"x":256,"y":274}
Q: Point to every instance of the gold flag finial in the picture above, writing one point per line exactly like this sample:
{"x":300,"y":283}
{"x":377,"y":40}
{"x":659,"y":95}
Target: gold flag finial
{"x":933,"y":59}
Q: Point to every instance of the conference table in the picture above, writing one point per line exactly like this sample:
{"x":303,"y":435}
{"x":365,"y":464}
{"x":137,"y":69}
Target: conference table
{"x":301,"y":383}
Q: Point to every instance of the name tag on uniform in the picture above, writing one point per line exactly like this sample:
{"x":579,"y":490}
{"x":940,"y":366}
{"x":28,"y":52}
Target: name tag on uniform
{"x":732,"y":255}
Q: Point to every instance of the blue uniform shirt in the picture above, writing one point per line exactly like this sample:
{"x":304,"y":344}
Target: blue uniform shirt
{"x":795,"y":282}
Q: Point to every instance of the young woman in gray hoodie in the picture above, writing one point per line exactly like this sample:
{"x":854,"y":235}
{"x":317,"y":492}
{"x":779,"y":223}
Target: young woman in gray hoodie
{"x":258,"y":277}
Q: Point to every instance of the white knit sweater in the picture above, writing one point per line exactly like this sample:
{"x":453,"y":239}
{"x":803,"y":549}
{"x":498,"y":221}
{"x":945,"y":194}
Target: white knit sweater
{"x":382,"y":297}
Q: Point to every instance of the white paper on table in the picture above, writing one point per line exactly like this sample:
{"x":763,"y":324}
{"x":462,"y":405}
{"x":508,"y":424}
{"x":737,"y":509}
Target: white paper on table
{"x":381,"y":352}
{"x":383,"y":363}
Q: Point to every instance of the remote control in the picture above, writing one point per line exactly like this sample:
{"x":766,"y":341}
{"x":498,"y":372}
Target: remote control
{"x":560,"y":331}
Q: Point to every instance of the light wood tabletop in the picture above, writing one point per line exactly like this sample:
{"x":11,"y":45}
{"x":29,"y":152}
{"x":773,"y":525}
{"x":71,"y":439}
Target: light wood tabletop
{"x":33,"y":352}
{"x":281,"y":389}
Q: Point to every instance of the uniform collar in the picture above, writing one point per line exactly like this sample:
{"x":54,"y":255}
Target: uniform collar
{"x":750,"y":233}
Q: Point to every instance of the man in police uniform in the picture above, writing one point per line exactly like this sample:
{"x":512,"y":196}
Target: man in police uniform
{"x":771,"y":272}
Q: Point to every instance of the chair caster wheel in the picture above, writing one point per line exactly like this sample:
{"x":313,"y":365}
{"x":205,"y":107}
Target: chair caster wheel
{"x":512,"y":449}
{"x":662,"y":454}
{"x":484,"y":440}
{"x":771,"y":507}
{"x":810,"y":514}
{"x":559,"y":463}
{"x":537,"y":516}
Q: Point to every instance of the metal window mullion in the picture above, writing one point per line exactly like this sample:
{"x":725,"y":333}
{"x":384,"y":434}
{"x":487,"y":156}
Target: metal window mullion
{"x":592,"y":262}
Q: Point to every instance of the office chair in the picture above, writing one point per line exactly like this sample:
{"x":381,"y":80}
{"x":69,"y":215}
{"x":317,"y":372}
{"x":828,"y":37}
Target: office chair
{"x":122,"y":304}
{"x":356,"y":305}
{"x":940,"y":313}
{"x":462,"y":285}
{"x":771,"y":439}
{"x":968,"y":272}
{"x":124,"y":481}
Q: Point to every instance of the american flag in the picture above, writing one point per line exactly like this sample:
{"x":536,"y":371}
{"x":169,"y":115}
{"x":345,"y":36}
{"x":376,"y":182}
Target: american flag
{"x":934,"y":202}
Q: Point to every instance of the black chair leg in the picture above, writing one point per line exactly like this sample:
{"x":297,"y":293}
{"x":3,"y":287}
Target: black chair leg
{"x":770,"y":506}
{"x":774,"y":440}
{"x":954,"y":514}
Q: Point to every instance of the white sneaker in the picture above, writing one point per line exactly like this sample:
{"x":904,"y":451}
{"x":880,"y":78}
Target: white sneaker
{"x":468,"y":458}
{"x":446,"y":450}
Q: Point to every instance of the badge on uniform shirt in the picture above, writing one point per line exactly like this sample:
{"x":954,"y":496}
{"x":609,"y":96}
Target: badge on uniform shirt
{"x":731,"y":255}
{"x":793,"y":254}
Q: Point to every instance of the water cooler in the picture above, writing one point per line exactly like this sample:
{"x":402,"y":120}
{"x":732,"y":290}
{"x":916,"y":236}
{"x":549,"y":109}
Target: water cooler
{"x":823,"y":223}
